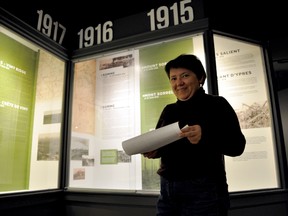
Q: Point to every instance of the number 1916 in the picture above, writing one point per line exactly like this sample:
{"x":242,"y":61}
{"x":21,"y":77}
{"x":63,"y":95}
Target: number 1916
{"x":91,"y":36}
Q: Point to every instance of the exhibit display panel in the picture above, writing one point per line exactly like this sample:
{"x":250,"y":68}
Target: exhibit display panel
{"x":242,"y":80}
{"x":31,"y":100}
{"x":119,"y":96}
{"x":115,"y":97}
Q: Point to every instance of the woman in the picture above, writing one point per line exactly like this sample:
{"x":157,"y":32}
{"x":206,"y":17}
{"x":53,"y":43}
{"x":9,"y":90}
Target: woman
{"x":192,"y":172}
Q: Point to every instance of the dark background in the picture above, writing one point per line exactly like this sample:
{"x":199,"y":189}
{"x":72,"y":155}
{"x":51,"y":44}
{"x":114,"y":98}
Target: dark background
{"x":265,"y":20}
{"x":80,"y":14}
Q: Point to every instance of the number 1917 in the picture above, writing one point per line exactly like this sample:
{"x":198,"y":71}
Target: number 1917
{"x":47,"y":27}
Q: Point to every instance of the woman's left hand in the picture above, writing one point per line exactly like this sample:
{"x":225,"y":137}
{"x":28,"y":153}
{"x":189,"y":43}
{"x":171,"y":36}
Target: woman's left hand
{"x":193,"y":133}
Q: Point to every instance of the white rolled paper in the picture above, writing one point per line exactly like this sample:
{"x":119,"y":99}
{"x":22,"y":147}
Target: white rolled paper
{"x":152,"y":140}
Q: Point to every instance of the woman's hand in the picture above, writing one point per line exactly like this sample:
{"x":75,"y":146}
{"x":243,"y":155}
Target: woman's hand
{"x":151,"y":154}
{"x":193,"y":133}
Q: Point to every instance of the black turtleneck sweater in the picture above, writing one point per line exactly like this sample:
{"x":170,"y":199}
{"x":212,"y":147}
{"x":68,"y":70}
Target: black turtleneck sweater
{"x":221,"y":135}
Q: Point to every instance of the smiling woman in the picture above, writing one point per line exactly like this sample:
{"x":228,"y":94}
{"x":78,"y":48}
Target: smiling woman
{"x":117,"y":90}
{"x":202,"y":148}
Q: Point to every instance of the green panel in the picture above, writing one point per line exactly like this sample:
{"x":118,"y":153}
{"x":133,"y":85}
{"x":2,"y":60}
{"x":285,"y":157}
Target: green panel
{"x":17,"y":74}
{"x":155,"y":89}
{"x":155,"y":93}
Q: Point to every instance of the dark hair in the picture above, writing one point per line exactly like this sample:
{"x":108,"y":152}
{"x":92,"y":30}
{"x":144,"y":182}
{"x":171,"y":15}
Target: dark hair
{"x":188,"y":61}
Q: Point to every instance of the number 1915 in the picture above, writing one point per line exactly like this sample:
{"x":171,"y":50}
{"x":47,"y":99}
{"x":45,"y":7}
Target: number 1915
{"x":160,"y":18}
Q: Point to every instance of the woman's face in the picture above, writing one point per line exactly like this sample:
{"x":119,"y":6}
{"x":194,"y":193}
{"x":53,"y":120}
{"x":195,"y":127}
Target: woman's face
{"x":184,"y":83}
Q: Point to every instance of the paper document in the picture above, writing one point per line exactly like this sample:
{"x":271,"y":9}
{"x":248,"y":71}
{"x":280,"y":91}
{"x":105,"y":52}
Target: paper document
{"x":152,"y":140}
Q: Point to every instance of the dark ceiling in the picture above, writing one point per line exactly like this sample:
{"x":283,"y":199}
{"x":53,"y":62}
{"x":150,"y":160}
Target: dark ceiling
{"x":259,"y":19}
{"x":76,"y":13}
